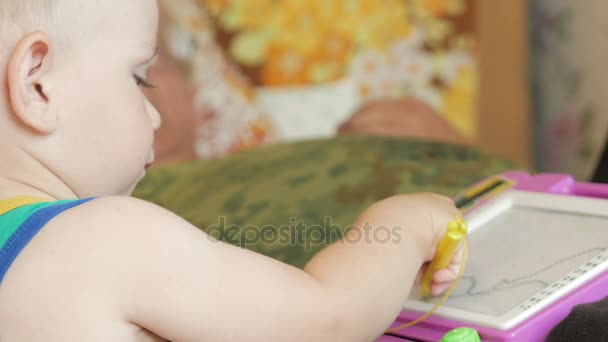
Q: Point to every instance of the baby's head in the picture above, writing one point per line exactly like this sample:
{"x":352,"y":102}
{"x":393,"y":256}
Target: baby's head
{"x":71,"y":102}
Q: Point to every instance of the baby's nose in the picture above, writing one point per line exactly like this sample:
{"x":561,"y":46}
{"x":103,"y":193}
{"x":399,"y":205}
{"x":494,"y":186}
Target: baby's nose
{"x":154,"y":115}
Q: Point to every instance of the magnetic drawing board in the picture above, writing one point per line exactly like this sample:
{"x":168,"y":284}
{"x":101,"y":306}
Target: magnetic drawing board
{"x":527,"y":250}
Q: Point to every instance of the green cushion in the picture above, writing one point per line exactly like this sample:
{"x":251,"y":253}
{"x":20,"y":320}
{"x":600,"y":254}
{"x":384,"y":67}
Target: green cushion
{"x":307,"y":187}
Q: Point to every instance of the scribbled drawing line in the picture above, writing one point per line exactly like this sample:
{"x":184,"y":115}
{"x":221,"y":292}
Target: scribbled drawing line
{"x":509,"y":284}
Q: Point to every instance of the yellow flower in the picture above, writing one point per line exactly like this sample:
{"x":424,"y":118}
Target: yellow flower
{"x":359,"y":7}
{"x":300,"y":41}
{"x":307,"y":14}
{"x":380,"y":29}
{"x":323,"y":72}
{"x":244,"y":14}
{"x":437,"y":31}
{"x":302,"y":25}
{"x":286,"y":66}
{"x":305,"y":43}
{"x":251,"y":47}
{"x":336,"y":47}
{"x":291,"y":25}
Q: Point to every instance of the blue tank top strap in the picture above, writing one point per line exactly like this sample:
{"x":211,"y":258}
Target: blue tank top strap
{"x":38,"y":216}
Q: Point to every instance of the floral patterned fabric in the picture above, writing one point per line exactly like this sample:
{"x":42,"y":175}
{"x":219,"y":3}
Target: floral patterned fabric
{"x":290,"y":69}
{"x":569,"y":77}
{"x":236,"y":122}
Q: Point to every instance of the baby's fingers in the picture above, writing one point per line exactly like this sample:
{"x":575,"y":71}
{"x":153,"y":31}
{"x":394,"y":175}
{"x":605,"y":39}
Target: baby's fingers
{"x":439,"y":289}
{"x":446,"y":275}
{"x":444,"y":279}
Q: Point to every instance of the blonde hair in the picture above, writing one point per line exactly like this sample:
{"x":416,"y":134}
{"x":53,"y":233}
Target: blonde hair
{"x":18,"y":17}
{"x":26,"y":14}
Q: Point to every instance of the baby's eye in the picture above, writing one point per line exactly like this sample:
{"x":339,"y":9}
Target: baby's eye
{"x":142,"y":82}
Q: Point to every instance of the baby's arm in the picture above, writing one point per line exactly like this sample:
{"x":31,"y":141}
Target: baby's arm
{"x":373,"y":280}
{"x":180,"y":284}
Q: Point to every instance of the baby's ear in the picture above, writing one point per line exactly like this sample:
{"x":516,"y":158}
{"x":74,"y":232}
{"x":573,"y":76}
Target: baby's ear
{"x":28,"y":68}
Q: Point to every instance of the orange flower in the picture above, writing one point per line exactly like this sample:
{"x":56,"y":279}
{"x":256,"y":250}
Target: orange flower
{"x":285,"y":67}
{"x":336,"y":47}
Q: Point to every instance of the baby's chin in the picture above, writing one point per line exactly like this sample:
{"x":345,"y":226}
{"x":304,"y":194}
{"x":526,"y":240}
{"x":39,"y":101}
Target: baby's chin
{"x":141,"y":176}
{"x":129,"y":192}
{"x":131,"y":189}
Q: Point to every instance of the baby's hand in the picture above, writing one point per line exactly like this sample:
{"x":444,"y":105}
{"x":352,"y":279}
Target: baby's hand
{"x":443,"y":279}
{"x":441,"y":212}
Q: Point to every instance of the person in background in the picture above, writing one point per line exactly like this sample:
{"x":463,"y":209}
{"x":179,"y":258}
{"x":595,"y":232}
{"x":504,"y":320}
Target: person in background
{"x":221,"y":95}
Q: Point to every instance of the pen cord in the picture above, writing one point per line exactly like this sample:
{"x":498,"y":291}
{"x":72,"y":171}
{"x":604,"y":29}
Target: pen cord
{"x":445,"y":296}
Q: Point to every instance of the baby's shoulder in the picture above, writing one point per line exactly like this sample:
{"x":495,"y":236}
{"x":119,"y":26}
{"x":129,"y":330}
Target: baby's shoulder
{"x":115,"y":212}
{"x":80,"y":262}
{"x":74,"y":237}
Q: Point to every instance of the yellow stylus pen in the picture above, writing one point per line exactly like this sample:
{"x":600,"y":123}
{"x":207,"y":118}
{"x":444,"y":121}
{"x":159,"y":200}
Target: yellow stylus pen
{"x":456,"y":231}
